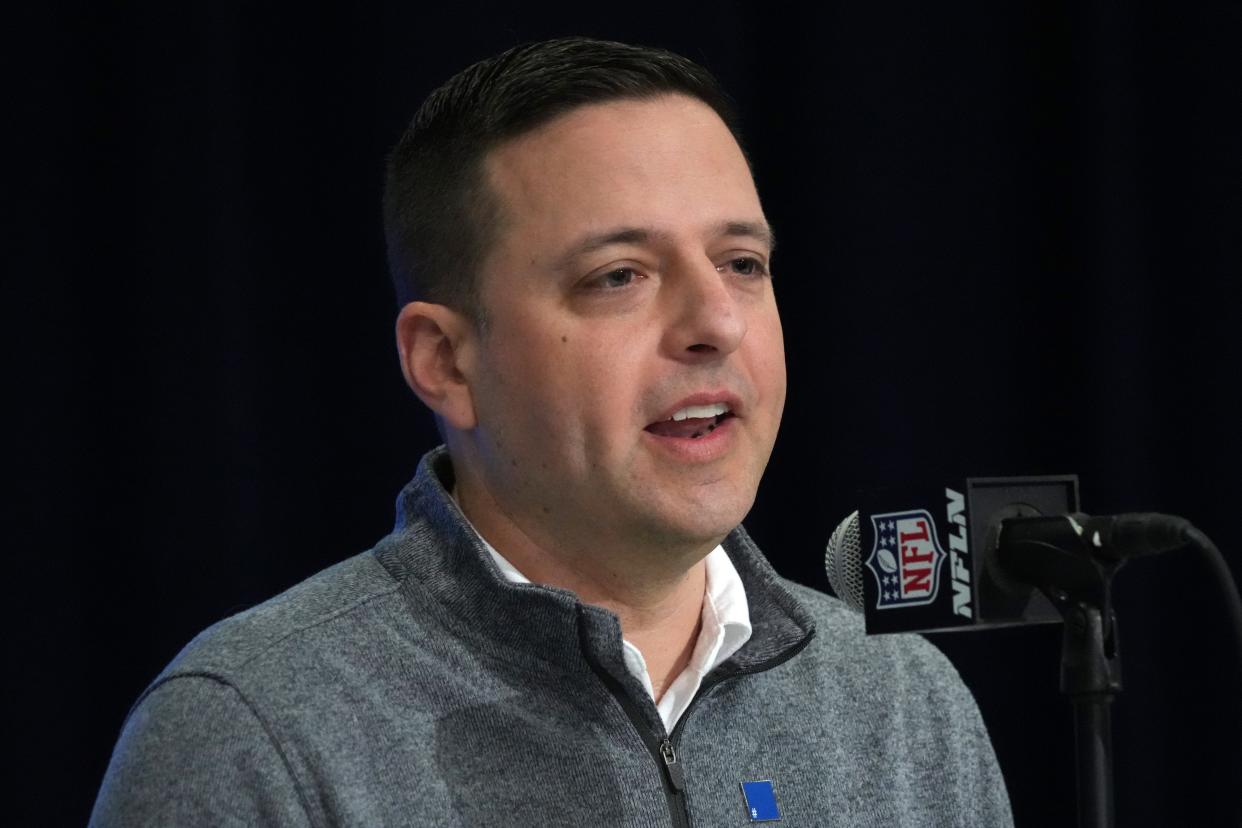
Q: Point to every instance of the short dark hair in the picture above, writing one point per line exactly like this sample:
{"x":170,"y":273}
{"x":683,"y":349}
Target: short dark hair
{"x":440,"y":216}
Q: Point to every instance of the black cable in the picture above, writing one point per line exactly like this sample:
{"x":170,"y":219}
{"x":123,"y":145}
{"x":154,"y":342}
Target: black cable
{"x":1233,"y":604}
{"x":1229,"y":588}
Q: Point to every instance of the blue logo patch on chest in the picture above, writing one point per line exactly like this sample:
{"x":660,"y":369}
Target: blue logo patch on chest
{"x":761,"y":801}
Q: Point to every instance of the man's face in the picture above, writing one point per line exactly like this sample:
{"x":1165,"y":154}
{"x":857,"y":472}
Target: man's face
{"x":628,"y":286}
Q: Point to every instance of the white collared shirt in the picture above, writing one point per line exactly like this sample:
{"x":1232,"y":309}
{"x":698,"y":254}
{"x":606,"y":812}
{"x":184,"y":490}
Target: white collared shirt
{"x":725,"y":628}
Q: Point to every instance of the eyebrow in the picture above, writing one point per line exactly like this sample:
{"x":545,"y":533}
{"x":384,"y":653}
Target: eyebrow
{"x":760,"y":231}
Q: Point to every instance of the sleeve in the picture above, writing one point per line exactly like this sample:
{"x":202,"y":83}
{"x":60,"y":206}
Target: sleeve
{"x":983,"y":800}
{"x":193,"y":752}
{"x":990,"y":797}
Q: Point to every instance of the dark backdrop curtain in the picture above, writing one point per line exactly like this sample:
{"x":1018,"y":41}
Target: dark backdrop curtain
{"x":1010,"y":235}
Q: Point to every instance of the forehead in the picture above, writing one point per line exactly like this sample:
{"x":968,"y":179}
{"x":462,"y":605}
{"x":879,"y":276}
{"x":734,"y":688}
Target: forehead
{"x":667,"y":163}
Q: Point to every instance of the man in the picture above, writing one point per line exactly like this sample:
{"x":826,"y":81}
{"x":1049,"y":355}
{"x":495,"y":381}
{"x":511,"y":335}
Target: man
{"x":568,"y":625}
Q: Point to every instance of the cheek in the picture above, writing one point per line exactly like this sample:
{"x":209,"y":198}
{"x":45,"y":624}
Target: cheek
{"x":777,"y":367}
{"x":570,"y":387}
{"x":553,"y":393}
{"x":769,"y":360}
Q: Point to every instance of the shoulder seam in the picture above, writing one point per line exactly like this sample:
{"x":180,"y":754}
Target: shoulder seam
{"x":332,"y":616}
{"x":269,"y":644}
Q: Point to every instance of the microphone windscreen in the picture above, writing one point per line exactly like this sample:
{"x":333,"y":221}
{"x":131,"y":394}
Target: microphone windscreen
{"x":843,"y":560}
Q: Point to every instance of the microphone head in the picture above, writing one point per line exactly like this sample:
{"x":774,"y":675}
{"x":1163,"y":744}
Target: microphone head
{"x":843,"y":561}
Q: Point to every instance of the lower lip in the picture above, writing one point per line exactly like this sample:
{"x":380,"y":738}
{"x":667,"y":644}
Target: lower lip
{"x":710,"y":446}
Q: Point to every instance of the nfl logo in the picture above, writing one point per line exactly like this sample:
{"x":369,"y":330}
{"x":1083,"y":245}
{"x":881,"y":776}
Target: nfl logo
{"x":905,"y":559}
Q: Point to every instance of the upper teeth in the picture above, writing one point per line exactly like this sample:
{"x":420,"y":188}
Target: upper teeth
{"x":696,"y":411}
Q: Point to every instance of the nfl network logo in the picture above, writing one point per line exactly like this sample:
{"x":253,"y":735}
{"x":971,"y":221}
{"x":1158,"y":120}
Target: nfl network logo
{"x":905,"y":559}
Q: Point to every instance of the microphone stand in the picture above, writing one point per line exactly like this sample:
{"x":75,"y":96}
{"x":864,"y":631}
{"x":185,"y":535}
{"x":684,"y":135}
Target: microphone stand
{"x":1079,"y":584}
{"x":1091,"y":677}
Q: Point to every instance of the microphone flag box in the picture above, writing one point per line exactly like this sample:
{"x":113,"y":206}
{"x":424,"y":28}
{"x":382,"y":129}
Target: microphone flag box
{"x":926,"y":554}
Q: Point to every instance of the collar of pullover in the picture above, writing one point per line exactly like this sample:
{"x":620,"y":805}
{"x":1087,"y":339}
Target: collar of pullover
{"x":441,"y":561}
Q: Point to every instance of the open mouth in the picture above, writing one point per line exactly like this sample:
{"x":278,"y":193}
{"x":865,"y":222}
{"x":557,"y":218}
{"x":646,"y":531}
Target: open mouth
{"x":692,"y":422}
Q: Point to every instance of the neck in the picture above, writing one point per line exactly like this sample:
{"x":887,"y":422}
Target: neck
{"x":659,"y":608}
{"x":664,"y":625}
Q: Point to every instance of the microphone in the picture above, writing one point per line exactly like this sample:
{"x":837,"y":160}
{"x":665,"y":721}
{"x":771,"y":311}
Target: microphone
{"x":984,"y":552}
{"x":911,"y":559}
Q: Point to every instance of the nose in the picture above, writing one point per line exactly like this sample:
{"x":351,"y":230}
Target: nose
{"x":707,"y":321}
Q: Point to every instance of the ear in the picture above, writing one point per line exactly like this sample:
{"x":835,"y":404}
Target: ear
{"x":433,"y":341}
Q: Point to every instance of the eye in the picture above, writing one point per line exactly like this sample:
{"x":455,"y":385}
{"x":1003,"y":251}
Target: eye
{"x":620,"y":277}
{"x":744,"y":266}
{"x":615,"y":279}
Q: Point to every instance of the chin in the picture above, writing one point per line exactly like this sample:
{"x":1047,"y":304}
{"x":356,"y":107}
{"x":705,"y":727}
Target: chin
{"x":700,"y":523}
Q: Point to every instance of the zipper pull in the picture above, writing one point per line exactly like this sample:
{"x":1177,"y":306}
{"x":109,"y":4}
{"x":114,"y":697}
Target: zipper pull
{"x":675,"y":776}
